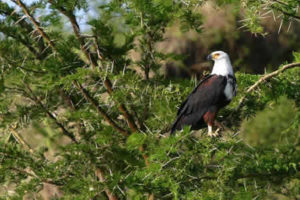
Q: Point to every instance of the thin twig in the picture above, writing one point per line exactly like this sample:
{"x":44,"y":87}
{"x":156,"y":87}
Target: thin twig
{"x":286,"y":13}
{"x":20,"y":140}
{"x":76,"y":29}
{"x":61,"y":126}
{"x":49,"y":181}
{"x":263,"y":79}
{"x":100,"y":110}
{"x":36,"y":24}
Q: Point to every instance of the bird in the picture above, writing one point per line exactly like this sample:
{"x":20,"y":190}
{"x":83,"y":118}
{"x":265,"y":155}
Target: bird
{"x":213,"y":92}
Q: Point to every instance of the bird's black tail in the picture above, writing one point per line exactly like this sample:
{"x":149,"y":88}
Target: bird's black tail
{"x":174,"y":126}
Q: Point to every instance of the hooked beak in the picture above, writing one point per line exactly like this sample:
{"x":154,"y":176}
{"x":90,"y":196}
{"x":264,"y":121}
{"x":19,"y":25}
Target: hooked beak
{"x":209,"y":57}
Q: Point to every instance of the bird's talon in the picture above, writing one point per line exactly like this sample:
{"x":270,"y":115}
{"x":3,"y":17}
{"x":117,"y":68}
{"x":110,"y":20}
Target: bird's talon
{"x":214,"y":134}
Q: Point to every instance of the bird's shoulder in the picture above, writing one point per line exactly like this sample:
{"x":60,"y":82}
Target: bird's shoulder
{"x":211,"y":80}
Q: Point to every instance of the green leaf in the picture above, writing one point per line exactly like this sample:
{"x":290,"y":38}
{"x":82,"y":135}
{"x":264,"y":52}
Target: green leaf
{"x":135,"y":140}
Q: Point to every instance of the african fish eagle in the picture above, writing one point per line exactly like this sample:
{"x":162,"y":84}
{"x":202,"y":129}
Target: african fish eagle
{"x":214,"y":92}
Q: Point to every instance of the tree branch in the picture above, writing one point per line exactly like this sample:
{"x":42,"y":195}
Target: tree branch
{"x":101,"y":178}
{"x":28,"y":29}
{"x":76,"y":29}
{"x":36,"y":24}
{"x":263,"y":79}
{"x":77,"y":84}
{"x":20,"y":139}
{"x":92,"y":101}
{"x":122,"y":108}
{"x":52,"y":45}
{"x":285,"y":13}
{"x":39,"y":102}
{"x":49,"y":181}
{"x":107,"y":83}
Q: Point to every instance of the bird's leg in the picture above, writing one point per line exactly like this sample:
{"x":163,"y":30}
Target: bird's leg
{"x":209,"y":118}
{"x":210,"y":132}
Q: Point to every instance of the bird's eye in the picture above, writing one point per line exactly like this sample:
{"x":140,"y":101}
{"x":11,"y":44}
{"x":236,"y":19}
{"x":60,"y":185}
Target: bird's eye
{"x":216,"y":55}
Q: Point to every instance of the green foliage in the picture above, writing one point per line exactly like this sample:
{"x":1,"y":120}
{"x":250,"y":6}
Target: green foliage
{"x":255,"y":11}
{"x":272,"y":126}
{"x":48,"y":93}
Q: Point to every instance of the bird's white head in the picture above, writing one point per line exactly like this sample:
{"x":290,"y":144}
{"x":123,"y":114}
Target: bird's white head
{"x":222,"y":64}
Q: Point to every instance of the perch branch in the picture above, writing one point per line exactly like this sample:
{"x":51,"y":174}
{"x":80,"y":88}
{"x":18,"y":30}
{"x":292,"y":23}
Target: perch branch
{"x":263,"y":79}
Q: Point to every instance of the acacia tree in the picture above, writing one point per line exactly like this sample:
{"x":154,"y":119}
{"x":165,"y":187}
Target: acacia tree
{"x":84,"y":94}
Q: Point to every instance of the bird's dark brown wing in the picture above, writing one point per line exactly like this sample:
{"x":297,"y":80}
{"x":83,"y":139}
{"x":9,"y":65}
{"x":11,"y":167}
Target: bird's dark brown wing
{"x":207,"y":95}
{"x":195,"y":89}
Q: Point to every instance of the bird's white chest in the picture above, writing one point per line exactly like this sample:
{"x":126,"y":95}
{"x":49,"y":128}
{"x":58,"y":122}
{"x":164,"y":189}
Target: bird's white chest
{"x":228,"y":91}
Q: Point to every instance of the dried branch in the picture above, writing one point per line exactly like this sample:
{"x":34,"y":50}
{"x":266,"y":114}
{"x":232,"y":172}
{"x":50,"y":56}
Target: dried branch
{"x":20,"y":140}
{"x":263,"y":79}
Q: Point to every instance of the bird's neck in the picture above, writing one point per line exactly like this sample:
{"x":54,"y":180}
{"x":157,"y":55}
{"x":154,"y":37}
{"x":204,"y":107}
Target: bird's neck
{"x":223,"y":67}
